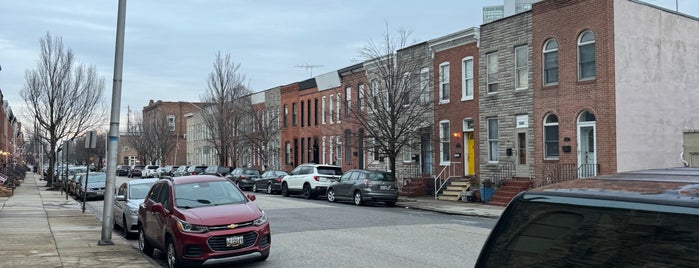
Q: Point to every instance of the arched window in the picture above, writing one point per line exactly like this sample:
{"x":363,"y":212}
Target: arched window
{"x":586,"y":55}
{"x":551,"y":137}
{"x":551,"y":62}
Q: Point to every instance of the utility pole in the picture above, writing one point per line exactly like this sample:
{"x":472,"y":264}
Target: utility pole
{"x":113,"y":139}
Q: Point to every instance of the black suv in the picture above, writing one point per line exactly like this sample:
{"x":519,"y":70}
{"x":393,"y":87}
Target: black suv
{"x":220,"y":171}
{"x":244,"y":177}
{"x":644,"y":218}
{"x":195,"y":170}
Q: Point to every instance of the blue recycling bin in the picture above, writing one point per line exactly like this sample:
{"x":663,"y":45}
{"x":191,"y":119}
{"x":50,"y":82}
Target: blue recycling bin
{"x":486,"y":193}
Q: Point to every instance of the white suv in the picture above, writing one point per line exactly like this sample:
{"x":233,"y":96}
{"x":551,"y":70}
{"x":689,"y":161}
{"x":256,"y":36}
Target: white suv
{"x":150,"y":171}
{"x":310,"y":180}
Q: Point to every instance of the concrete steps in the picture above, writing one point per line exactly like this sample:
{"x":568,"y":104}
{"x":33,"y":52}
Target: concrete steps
{"x":453,"y":191}
{"x":509,"y":190}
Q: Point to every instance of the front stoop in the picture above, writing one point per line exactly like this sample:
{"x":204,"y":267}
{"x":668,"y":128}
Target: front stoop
{"x":454,"y":190}
{"x":509,"y":190}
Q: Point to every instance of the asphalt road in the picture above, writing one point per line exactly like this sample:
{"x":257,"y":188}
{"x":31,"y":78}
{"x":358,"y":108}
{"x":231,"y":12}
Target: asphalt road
{"x":317,"y":233}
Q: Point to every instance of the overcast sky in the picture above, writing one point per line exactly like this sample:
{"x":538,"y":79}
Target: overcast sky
{"x":170,"y":45}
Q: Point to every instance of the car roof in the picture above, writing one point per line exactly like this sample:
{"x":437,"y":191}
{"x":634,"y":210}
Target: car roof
{"x":142,"y":181}
{"x":194,"y":178}
{"x":664,"y":186}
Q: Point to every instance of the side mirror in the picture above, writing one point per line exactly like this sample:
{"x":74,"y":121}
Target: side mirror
{"x":251,"y":197}
{"x":157,"y":207}
{"x":120,"y":198}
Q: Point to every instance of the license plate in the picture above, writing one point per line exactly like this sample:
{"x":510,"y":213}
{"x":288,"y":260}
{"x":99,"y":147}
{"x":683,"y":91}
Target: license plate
{"x":385,"y":187}
{"x":234,"y":241}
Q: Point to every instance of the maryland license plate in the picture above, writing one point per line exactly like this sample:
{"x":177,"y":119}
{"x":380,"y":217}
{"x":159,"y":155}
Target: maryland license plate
{"x":234,"y":241}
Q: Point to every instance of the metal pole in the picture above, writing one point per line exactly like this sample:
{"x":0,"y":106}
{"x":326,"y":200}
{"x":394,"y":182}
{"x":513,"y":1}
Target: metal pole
{"x":107,"y":220}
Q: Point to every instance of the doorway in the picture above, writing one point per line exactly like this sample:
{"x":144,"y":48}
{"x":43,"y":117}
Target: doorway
{"x":587,"y":145}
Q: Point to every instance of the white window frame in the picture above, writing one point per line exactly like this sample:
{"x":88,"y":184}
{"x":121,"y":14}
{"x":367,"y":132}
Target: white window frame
{"x":323,"y":148}
{"x":338,"y":99}
{"x":543,"y":64}
{"x":466,"y":127}
{"x":375,"y":93}
{"x":322,"y":109}
{"x":331,"y":102}
{"x":493,"y":156}
{"x":425,"y":85}
{"x":348,"y":100}
{"x":594,"y":48}
{"x":338,"y":153}
{"x":361,"y":98}
{"x":467,"y":76}
{"x":444,"y":142}
{"x":407,"y":154}
{"x":171,"y":122}
{"x":287,"y":154}
{"x":444,"y":80}
{"x":522,"y":68}
{"x":551,"y":124}
{"x":491,"y":72}
{"x":331,"y":149}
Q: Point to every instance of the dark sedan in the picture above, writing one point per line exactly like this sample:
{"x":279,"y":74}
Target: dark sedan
{"x":270,"y":181}
{"x":244,"y":177}
{"x":122,"y":170}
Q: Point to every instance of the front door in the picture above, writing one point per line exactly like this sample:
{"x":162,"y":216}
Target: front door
{"x":586,"y":153}
{"x":469,"y":154}
{"x":520,"y":154}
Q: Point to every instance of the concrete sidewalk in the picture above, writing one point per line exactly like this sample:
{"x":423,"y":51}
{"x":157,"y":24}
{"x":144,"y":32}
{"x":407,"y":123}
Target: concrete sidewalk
{"x":475,"y":209}
{"x":40,"y":228}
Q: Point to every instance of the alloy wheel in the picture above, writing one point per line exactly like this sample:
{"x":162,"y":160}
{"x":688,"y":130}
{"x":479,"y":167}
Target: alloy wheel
{"x":358,"y":198}
{"x":254,"y":188}
{"x":269,"y":188}
{"x":331,"y":195}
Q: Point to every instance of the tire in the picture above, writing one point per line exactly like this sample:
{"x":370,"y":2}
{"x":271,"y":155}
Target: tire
{"x":264,"y":257}
{"x":254,"y":187}
{"x":358,"y":198}
{"x":307,"y":191}
{"x":269,"y":188}
{"x":331,"y":195}
{"x":390,"y":203}
{"x":143,"y":244}
{"x":125,"y":228}
{"x":173,"y":261}
{"x":285,"y":190}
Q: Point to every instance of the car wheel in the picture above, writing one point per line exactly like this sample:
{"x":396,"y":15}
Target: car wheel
{"x":143,"y":244}
{"x":307,"y":191}
{"x":172,"y":260}
{"x":269,"y":188}
{"x":124,"y":228}
{"x":390,"y":204}
{"x":254,"y":188}
{"x":358,"y":198}
{"x":331,"y":195}
{"x":285,"y":189}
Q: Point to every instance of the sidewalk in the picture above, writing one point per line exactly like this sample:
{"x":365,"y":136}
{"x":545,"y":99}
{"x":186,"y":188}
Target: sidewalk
{"x":428,"y":203}
{"x":40,"y":228}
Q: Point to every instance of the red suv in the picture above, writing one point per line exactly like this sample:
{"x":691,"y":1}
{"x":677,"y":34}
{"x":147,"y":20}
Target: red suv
{"x":202,"y":220}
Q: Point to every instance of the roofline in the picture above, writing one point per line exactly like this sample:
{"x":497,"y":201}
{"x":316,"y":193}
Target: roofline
{"x":664,"y":9}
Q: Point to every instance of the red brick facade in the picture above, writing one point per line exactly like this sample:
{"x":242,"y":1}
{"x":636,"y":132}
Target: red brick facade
{"x":178,"y":155}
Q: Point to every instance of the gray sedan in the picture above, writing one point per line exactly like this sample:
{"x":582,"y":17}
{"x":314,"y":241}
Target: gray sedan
{"x":128,"y":197}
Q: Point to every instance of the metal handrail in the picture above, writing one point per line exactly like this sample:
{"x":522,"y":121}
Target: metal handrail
{"x":451,"y":170}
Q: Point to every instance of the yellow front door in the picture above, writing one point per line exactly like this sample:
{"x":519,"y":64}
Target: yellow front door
{"x":470,"y":152}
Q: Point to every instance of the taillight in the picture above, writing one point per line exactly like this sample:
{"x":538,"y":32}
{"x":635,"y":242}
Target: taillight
{"x":278,"y":179}
{"x":242,"y":177}
{"x":316,"y":178}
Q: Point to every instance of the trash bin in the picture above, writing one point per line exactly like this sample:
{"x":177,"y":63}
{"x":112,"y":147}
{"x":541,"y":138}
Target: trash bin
{"x":467,"y":196}
{"x":486,"y":193}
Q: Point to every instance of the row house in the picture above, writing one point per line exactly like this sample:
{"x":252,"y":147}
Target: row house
{"x":614,"y":86}
{"x":174,"y":114}
{"x":262,"y":146}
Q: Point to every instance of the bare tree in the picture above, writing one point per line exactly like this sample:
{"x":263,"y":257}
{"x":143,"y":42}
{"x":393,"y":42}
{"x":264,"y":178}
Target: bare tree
{"x":261,"y":130}
{"x":225,"y":88}
{"x":64,"y":97}
{"x":396,"y":108}
{"x":151,"y":138}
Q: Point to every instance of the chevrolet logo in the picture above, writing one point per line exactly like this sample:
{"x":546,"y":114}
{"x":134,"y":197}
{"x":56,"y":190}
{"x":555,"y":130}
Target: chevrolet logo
{"x":232,"y":226}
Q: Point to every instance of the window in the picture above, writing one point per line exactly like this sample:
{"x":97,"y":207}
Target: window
{"x":302,"y":113}
{"x":468,"y":125}
{"x":308,"y":113}
{"x":315,"y":116}
{"x":331,"y":148}
{"x":171,"y":122}
{"x":293,"y":114}
{"x":348,"y":100}
{"x":322,"y":110}
{"x":550,"y":62}
{"x":586,"y":56}
{"x":551,"y":137}
{"x":286,"y":115}
{"x":467,"y":74}
{"x":287,"y":153}
{"x":375,"y":149}
{"x":360,"y":98}
{"x":492,"y":139}
{"x":338,"y":151}
{"x":444,"y":82}
{"x":407,"y":153}
{"x":492,"y":72}
{"x":375,"y":92}
{"x":323,"y":161}
{"x":332,"y":111}
{"x":338,"y":99}
{"x":521,"y":67}
{"x":425,"y":85}
{"x":348,"y":147}
{"x":444,"y":137}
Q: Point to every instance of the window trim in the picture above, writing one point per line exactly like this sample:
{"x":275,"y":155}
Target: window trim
{"x":594,"y":58}
{"x":491,"y":155}
{"x":495,"y":79}
{"x":444,"y":99}
{"x":322,"y":108}
{"x":464,"y":82}
{"x":444,"y":142}
{"x":424,"y":85}
{"x":546,"y":124}
{"x":525,"y":67}
{"x":543,"y":62}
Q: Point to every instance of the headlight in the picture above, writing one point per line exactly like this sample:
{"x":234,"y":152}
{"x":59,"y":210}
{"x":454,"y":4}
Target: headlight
{"x":190,"y":228}
{"x":261,"y":220}
{"x":132,"y":210}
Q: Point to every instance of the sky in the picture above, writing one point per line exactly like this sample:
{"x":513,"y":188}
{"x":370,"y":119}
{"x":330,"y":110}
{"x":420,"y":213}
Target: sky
{"x":170,"y":46}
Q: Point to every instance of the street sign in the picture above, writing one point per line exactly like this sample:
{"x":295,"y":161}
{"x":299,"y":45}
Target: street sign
{"x":91,"y":140}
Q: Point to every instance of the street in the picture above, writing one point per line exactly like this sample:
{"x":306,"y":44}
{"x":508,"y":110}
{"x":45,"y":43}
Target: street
{"x":317,"y":233}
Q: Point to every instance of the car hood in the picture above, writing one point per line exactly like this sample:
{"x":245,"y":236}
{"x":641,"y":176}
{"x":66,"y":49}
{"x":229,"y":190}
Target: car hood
{"x":134,"y":203}
{"x":222,"y":215}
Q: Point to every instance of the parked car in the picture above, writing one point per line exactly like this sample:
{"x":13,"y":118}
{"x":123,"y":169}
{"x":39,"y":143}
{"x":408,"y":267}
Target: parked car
{"x":195,"y":170}
{"x":270,"y":181}
{"x":73,"y":184}
{"x":96,"y":183}
{"x":310,"y":180}
{"x":221,"y":171}
{"x":128,"y":197}
{"x":181,"y":171}
{"x":643,"y":218}
{"x":364,"y":185}
{"x":149,"y":171}
{"x":244,"y":177}
{"x":136,"y":170}
{"x":165,"y":171}
{"x":122,"y":170}
{"x":202,"y":220}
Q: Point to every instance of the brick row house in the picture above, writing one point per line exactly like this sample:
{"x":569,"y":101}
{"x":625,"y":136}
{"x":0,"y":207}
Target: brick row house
{"x":568,"y":89}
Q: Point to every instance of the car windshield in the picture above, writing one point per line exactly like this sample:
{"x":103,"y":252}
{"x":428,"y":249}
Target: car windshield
{"x":208,"y":193}
{"x":380,"y":176}
{"x":139,"y":190}
{"x":330,"y":171}
{"x":251,"y":172}
{"x":95,"y":178}
{"x":224,"y":169}
{"x":274,"y":174}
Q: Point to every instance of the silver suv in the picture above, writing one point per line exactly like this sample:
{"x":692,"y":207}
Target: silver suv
{"x":310,"y":180}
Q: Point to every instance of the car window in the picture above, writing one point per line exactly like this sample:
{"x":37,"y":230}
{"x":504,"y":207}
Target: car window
{"x":381,"y":176}
{"x":201,"y":194}
{"x":154,"y":192}
{"x":165,"y":197}
{"x":346,"y":176}
{"x":139,"y":190}
{"x":122,"y":189}
{"x":251,"y":172}
{"x":330,"y":170}
{"x":354,"y":176}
